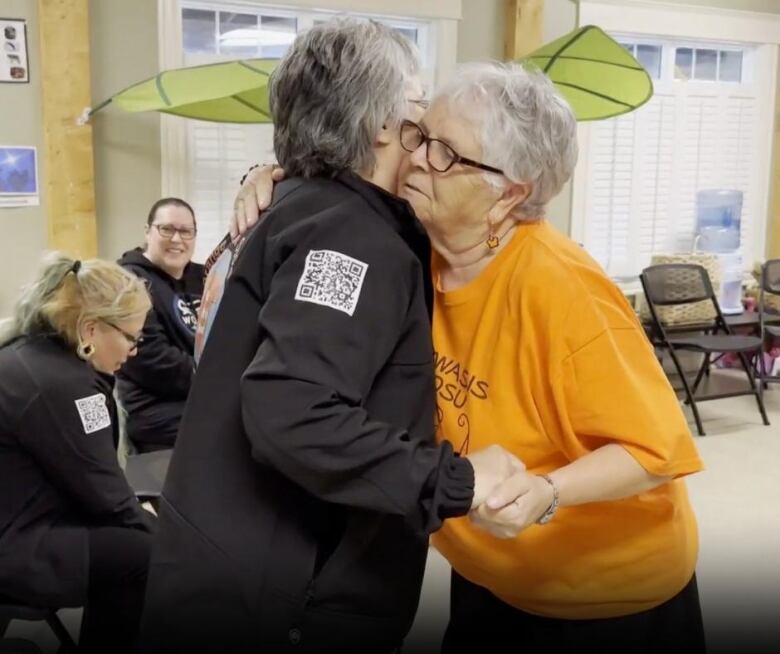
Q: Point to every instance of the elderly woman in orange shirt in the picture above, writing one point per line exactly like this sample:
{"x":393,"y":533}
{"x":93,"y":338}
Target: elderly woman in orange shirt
{"x":595,"y":543}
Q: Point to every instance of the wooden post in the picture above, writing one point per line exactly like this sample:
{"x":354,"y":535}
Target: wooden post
{"x":67,"y":158}
{"x":524,"y":27}
{"x":773,"y":233}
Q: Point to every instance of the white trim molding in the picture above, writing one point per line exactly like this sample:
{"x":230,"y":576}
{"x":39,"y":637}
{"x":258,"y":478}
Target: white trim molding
{"x":173,"y":135}
{"x":681,"y":20}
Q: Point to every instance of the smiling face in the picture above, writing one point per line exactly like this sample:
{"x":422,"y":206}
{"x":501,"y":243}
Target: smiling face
{"x":171,"y":252}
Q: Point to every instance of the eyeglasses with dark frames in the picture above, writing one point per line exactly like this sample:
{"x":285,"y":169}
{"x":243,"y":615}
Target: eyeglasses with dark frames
{"x":169,"y":231}
{"x":440,"y":155}
{"x":133,"y":341}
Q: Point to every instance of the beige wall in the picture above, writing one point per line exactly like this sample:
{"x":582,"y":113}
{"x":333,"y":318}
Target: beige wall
{"x":23,"y":230}
{"x":124,"y":50}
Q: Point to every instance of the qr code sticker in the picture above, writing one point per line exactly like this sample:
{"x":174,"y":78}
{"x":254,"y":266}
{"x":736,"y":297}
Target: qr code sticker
{"x":93,"y":413}
{"x":331,"y":279}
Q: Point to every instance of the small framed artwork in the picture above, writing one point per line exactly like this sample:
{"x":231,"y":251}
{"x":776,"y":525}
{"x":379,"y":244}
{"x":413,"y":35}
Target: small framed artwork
{"x":18,"y":176}
{"x":14,"y":64}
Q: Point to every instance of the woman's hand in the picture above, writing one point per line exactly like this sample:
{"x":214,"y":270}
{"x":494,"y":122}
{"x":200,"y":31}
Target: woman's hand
{"x":608,"y":473}
{"x":253,"y":197}
{"x":514,"y":505}
{"x":493,"y":466}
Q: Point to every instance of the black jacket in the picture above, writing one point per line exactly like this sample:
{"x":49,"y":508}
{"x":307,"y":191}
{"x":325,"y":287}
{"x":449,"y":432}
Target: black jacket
{"x":161,"y":373}
{"x":58,"y":471}
{"x":305,"y":480}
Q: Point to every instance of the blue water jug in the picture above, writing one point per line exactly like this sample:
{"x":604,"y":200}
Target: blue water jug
{"x":718,"y":219}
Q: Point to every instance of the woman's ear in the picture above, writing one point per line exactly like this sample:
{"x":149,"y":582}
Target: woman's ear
{"x":385,"y":136}
{"x":515,"y":194}
{"x":87,"y":329}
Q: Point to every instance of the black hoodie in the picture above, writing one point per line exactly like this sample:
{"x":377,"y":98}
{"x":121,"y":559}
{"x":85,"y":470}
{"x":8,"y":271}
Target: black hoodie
{"x":154,"y":384}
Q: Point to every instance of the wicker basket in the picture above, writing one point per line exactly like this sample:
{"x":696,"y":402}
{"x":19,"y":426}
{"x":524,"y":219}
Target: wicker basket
{"x":693,"y":312}
{"x":771,"y":301}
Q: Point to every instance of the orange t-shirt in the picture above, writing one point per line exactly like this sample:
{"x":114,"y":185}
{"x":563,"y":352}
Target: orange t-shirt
{"x":543,"y":355}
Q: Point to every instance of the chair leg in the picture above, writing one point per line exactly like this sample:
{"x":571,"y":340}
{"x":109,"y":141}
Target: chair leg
{"x":756,"y":388}
{"x":67,"y":646}
{"x":705,"y":367}
{"x":18,"y":646}
{"x":688,"y":392}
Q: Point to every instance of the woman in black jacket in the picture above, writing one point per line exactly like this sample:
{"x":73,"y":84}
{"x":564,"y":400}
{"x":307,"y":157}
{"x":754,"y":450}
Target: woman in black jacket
{"x":71,"y":531}
{"x":154,"y":385}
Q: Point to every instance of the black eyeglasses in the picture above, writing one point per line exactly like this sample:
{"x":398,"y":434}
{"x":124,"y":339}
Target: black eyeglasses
{"x":169,"y":231}
{"x":133,"y":341}
{"x":440,"y":155}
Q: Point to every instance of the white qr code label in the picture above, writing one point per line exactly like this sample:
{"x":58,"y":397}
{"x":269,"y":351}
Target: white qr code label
{"x":331,"y":279}
{"x":93,"y":413}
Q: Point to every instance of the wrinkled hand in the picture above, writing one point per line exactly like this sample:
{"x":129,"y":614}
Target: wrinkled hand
{"x":513,"y":505}
{"x":253,"y":197}
{"x":492,"y":466}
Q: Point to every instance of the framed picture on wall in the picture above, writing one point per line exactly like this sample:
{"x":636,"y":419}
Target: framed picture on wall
{"x":14,"y":64}
{"x":18,"y":176}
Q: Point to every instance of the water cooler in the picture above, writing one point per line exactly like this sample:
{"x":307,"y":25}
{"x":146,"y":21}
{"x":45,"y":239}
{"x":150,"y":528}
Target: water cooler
{"x":718,"y":219}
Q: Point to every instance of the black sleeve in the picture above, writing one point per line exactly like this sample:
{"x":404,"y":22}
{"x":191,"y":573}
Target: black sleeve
{"x":159,"y":367}
{"x":69,"y":433}
{"x":302,"y":395}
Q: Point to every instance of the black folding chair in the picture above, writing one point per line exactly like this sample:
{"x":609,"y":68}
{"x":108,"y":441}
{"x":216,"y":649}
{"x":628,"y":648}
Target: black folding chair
{"x":677,"y":283}
{"x":146,"y":473}
{"x":770,"y":334}
{"x":10,"y":610}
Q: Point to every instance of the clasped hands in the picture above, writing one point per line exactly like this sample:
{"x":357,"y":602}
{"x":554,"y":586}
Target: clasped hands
{"x":507,"y":498}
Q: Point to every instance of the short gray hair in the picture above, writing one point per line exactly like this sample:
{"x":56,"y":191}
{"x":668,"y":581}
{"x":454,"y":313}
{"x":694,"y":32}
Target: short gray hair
{"x":525,"y":127}
{"x":339,"y":83}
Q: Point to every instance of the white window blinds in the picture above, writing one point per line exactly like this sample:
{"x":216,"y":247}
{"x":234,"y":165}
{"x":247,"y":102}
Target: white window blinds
{"x":642,"y":171}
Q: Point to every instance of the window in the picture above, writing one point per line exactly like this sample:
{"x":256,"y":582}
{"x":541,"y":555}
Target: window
{"x":648,"y":55}
{"x":217,"y":155}
{"x":639,"y":174}
{"x":708,"y":65}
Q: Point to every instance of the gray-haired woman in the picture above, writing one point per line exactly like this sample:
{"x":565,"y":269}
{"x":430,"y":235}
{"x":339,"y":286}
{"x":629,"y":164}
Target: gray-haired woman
{"x":71,"y":530}
{"x":305,"y":479}
{"x":538,"y":351}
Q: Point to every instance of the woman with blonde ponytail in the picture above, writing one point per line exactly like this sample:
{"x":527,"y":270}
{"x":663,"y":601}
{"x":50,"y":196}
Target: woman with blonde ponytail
{"x":71,"y":531}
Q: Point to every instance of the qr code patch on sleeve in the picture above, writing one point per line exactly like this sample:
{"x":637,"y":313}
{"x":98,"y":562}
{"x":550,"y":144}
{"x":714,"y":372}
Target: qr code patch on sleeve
{"x":331,"y":279}
{"x":93,"y":413}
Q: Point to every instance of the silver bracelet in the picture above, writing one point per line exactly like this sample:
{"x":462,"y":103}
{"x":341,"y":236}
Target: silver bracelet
{"x":550,"y":512}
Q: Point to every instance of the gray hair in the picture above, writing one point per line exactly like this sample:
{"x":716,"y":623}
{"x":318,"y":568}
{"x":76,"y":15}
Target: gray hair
{"x":67,"y":292}
{"x":339,"y":83}
{"x":525,"y":127}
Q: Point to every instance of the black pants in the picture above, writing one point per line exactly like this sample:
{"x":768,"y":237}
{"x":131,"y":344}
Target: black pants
{"x":155,"y":427}
{"x":480,"y":622}
{"x":118,"y":566}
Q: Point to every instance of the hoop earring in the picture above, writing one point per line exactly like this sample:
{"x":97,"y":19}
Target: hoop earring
{"x":85,"y":351}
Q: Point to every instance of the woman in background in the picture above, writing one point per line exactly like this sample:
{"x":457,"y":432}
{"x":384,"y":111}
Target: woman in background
{"x":153,"y":387}
{"x":71,"y":531}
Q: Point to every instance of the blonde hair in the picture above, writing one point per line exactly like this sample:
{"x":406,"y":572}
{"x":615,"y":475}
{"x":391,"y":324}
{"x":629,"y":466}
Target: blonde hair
{"x":68,"y":292}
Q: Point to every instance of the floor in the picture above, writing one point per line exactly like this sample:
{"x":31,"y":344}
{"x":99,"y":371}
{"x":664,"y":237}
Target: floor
{"x":737,"y":502}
